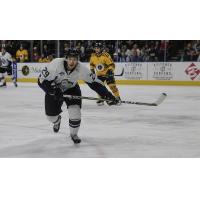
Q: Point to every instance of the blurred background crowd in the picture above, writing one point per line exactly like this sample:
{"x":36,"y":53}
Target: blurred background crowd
{"x":120,"y":50}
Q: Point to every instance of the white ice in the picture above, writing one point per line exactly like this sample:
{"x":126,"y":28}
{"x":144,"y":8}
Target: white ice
{"x":169,"y":130}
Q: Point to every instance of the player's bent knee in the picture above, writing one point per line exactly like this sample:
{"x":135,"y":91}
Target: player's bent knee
{"x":52,"y":119}
{"x":74,"y":112}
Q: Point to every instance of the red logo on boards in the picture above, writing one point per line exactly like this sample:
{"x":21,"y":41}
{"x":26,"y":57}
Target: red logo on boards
{"x":192,"y":71}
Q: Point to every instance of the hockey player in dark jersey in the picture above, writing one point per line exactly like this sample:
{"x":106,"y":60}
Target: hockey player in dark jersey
{"x":61,"y":77}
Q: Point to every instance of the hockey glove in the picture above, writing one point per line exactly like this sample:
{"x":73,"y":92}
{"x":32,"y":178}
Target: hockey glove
{"x":58,"y":95}
{"x":110,"y":77}
{"x":110,"y":73}
{"x":111,"y":100}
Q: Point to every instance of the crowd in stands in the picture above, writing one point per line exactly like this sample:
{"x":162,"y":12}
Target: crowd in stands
{"x":21,"y":51}
{"x":121,"y":50}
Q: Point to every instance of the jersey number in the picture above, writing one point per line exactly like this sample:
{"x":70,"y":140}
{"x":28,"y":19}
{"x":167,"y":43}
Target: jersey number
{"x":45,"y":72}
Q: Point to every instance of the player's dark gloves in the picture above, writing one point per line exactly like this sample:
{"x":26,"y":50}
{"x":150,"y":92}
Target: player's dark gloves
{"x":110,"y":77}
{"x":111,"y":100}
{"x":58,"y":95}
{"x":110,"y":73}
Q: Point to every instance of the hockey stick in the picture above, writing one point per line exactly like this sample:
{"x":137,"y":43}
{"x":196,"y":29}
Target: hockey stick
{"x":122,"y":73}
{"x":156,"y":103}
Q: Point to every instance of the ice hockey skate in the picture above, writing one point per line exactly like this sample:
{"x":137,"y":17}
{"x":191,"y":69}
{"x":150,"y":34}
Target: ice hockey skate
{"x":75,"y":139}
{"x":119,"y":103}
{"x":56,"y":126}
{"x":100,"y":103}
{"x":3,"y":85}
{"x":14,"y":82}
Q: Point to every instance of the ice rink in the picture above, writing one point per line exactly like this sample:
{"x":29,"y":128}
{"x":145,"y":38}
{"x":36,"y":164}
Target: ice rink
{"x":169,"y":130}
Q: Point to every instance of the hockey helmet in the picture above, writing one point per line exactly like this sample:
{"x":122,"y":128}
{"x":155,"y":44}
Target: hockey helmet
{"x":72,"y":53}
{"x":98,"y":45}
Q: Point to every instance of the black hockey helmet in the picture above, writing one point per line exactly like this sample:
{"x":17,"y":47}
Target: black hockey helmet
{"x":72,"y":53}
{"x":98,"y":45}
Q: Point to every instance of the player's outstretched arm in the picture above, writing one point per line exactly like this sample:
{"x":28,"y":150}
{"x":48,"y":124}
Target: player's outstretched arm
{"x":102,"y":91}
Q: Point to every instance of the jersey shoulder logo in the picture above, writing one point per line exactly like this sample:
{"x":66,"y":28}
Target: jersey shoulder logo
{"x":61,"y":73}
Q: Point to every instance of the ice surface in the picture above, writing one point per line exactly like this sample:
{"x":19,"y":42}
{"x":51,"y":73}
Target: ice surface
{"x":169,"y":130}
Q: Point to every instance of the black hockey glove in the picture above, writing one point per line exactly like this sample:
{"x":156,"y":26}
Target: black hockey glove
{"x":51,"y":89}
{"x":110,"y":77}
{"x":58,"y":95}
{"x":110,"y":73}
{"x":55,"y":92}
{"x":111,"y":100}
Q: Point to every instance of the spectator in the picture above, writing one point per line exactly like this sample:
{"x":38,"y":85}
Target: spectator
{"x":162,"y":50}
{"x":65,"y":48}
{"x":197,"y":46}
{"x":136,"y":56}
{"x":128,"y":54}
{"x":145,"y":53}
{"x":116,"y":57}
{"x":80,"y":48}
{"x":154,"y":52}
{"x":135,"y":48}
{"x":129,"y":44}
{"x":88,"y":52}
{"x":171,"y":51}
{"x":43,"y":59}
{"x":50,"y":58}
{"x":197,"y":50}
{"x":22,"y":54}
{"x":46,"y":50}
{"x":35,"y":54}
{"x":123,"y":57}
{"x":122,"y":53}
{"x":106,"y":50}
{"x":189,"y":53}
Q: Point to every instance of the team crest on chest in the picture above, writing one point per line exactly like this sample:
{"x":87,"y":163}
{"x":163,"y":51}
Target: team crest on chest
{"x":65,"y":84}
{"x":100,"y":67}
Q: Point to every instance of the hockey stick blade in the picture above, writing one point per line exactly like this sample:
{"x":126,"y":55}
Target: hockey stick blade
{"x":161,"y":99}
{"x":156,"y":103}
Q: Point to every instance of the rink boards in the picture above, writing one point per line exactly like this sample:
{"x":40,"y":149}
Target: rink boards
{"x":137,"y":73}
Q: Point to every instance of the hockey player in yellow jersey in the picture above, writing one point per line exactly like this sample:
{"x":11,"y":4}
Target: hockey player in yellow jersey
{"x":103,"y":66}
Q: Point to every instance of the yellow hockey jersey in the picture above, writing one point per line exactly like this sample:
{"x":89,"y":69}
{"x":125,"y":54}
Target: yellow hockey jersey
{"x":101,"y":63}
